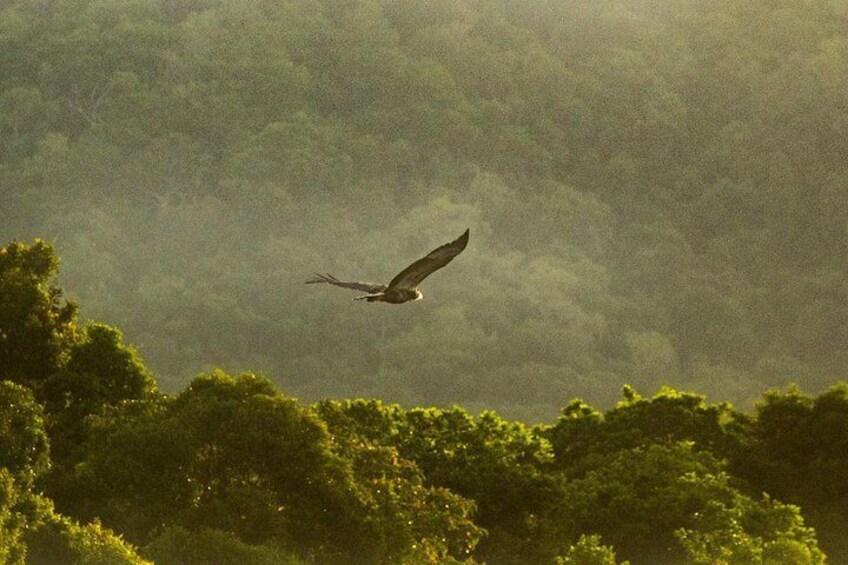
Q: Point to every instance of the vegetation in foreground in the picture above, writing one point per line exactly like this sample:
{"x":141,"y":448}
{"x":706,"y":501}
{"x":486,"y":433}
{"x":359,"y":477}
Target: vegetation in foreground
{"x":98,"y":466}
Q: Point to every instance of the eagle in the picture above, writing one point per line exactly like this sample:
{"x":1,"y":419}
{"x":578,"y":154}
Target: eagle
{"x":404,"y":287}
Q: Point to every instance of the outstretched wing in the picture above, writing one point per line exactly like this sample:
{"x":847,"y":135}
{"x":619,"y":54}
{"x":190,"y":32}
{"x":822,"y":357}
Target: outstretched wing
{"x":330,"y":279}
{"x":412,"y":276}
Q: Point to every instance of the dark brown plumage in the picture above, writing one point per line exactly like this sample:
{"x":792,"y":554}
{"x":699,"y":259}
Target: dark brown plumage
{"x":404,"y":287}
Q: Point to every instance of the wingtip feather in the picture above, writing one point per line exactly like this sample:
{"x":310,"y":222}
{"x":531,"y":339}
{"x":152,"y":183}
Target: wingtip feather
{"x":318,"y":278}
{"x":463,"y":239}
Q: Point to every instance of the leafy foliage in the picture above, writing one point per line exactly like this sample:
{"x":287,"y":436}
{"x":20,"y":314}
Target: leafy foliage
{"x":35,"y":324}
{"x":723,"y":539}
{"x":657,"y":195}
{"x":794,"y":448}
{"x":234,"y":455}
{"x":12,"y":524}
{"x":24,"y":446}
{"x":30,"y":530}
{"x":589,"y":551}
{"x":56,"y":539}
{"x":583,"y":435}
{"x":671,"y":489}
{"x":233,"y":468}
{"x":179,"y":546}
{"x":496,"y":463}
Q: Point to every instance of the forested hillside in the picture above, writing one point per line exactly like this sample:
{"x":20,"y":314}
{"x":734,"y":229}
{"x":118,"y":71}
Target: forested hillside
{"x":98,"y":466}
{"x":657,"y":191}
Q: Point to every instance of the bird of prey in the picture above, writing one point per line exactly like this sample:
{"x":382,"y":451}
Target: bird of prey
{"x":404,"y":287}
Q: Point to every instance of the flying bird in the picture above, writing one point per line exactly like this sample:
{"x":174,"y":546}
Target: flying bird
{"x":404,"y":287}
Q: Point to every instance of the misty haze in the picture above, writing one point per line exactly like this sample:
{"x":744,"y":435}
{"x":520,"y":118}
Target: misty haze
{"x":657,"y":197}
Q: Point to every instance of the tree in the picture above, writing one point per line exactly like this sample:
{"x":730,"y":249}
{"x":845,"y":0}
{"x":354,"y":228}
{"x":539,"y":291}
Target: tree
{"x":433,"y":523}
{"x":647,"y":500}
{"x":12,"y":524}
{"x":589,"y":551}
{"x":582,"y":435}
{"x":235,"y":455}
{"x":73,"y":373}
{"x":116,"y":367}
{"x":30,"y":530}
{"x":495,"y":463}
{"x":36,"y":325}
{"x":418,"y":523}
{"x":769,"y":533}
{"x":793,"y":448}
{"x":179,"y":546}
{"x":52,"y":538}
{"x":24,"y":447}
{"x":99,"y":372}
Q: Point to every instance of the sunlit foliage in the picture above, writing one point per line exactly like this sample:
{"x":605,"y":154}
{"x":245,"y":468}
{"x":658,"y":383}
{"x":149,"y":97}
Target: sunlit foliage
{"x":233,"y":468}
{"x":656,"y":193}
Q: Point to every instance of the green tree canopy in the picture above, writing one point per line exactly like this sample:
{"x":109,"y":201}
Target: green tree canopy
{"x":582,"y":435}
{"x":24,"y":446}
{"x":36,"y":325}
{"x":794,"y":448}
{"x":496,"y":463}
{"x":645,"y":500}
{"x":233,"y":454}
